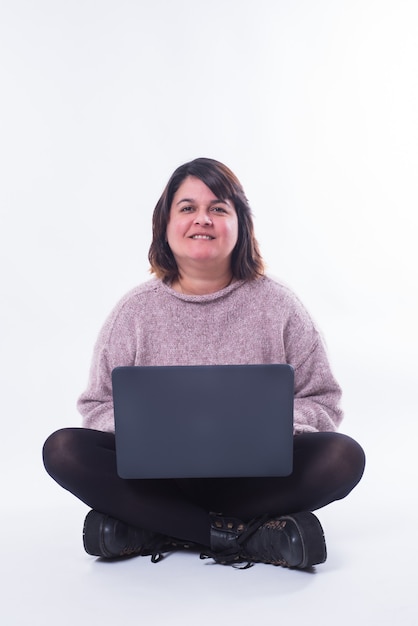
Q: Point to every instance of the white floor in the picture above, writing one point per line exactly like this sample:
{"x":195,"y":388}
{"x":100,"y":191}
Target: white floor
{"x":369,"y":578}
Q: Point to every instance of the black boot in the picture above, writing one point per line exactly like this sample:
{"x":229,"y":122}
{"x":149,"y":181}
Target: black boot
{"x":109,"y":538}
{"x":291,"y":541}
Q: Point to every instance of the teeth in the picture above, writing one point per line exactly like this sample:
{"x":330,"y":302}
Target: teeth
{"x":202,"y":237}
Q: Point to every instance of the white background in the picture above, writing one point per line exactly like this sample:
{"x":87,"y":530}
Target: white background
{"x":313,"y":104}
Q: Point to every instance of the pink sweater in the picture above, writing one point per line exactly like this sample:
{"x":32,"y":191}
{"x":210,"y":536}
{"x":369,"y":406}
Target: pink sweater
{"x":259,"y":321}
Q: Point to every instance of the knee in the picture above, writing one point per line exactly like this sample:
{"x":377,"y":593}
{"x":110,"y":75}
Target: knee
{"x":56,"y":450}
{"x":351,"y":457}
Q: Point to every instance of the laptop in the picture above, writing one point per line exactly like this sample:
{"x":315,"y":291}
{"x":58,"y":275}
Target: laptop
{"x":205,"y":421}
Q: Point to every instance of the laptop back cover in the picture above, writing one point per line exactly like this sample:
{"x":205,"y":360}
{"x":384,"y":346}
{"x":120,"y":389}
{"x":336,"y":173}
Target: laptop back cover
{"x":203,"y":421}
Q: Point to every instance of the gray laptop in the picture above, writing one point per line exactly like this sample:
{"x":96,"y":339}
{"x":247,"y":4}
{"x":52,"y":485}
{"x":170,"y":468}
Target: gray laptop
{"x":203,"y":421}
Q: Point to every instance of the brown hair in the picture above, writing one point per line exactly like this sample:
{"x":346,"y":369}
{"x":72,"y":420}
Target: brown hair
{"x":246,"y":261}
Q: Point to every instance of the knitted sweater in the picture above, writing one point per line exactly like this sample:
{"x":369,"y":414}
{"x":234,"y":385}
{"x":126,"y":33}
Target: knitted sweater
{"x":259,"y":321}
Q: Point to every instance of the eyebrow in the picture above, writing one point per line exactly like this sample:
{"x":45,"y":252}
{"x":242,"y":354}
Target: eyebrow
{"x":216,"y":201}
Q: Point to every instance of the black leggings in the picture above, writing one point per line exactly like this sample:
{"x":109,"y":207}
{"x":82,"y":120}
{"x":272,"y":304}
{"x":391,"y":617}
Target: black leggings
{"x":326,"y":468}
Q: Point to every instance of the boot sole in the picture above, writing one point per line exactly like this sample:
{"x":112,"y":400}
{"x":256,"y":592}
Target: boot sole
{"x":312,"y":538}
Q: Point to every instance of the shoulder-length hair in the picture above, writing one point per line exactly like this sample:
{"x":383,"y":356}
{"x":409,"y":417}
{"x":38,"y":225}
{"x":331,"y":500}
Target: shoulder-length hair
{"x":246,"y":260}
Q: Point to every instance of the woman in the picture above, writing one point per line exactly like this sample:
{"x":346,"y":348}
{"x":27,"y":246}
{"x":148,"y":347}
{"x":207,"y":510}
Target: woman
{"x":209,"y":303}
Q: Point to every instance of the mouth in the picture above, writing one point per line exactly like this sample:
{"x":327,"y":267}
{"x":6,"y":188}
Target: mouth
{"x":204,"y":237}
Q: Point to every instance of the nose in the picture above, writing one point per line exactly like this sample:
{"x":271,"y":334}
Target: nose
{"x":203,"y":218}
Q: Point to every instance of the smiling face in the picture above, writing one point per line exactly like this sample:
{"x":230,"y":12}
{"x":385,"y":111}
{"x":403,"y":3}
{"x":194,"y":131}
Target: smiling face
{"x":202,"y":229}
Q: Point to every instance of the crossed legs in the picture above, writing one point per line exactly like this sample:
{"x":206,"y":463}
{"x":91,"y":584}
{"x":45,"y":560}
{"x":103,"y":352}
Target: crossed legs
{"x":327,"y":466}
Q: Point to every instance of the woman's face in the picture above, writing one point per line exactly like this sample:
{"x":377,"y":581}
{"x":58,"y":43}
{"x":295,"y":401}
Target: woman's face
{"x":201,"y":229}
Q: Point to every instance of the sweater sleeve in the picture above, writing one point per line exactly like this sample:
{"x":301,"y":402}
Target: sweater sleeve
{"x":116,"y":345}
{"x":317,"y":393}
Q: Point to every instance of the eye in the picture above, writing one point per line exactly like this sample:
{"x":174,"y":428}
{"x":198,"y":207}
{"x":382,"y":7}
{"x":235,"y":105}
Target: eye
{"x":218,"y":209}
{"x":186,"y":209}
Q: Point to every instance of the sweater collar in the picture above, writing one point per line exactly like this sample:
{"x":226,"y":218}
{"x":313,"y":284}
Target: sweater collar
{"x":210,"y":297}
